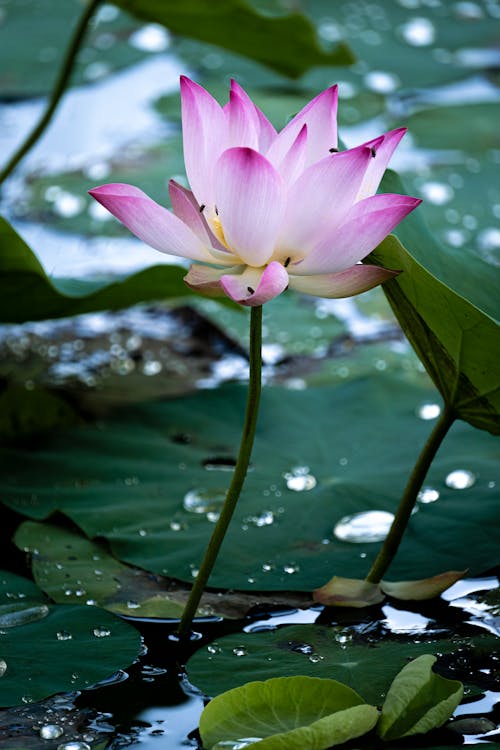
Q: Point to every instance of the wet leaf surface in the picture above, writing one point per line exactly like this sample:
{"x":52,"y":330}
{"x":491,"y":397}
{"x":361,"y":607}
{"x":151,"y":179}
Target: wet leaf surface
{"x":367,"y":665}
{"x":131,"y":479}
{"x":70,"y":648}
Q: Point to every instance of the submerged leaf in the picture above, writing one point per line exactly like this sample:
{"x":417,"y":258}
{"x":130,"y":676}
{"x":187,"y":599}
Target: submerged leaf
{"x":425,"y":588}
{"x":291,"y":713}
{"x":418,"y":700}
{"x":348,"y":592}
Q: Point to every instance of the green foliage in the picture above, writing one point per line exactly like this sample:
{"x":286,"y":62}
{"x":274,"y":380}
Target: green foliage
{"x":367,"y":666}
{"x":29,"y":412}
{"x":457,"y":342}
{"x":418,"y":700}
{"x":64,"y":648}
{"x":301,"y":713}
{"x":66,"y":562}
{"x":465,"y":272}
{"x":286,"y":43}
{"x":27,"y":293}
{"x":287,"y":712}
{"x":125,"y":480}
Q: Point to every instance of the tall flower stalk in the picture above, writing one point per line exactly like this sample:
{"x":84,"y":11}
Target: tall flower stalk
{"x":266,"y":211}
{"x":240,"y":472}
{"x":409,"y":498}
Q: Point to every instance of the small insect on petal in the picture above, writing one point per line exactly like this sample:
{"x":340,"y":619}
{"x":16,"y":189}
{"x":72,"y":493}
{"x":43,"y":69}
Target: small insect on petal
{"x":250,"y":290}
{"x":333,"y":150}
{"x":202,"y":208}
{"x":287,"y":262}
{"x":373,"y":152}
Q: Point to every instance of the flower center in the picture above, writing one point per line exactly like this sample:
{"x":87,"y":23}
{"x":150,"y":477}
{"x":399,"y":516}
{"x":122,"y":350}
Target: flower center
{"x":217,"y":229}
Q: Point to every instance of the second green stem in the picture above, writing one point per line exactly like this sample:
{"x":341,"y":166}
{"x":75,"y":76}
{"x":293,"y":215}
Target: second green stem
{"x":240,"y":471}
{"x":60,"y":86}
{"x":405,"y":508}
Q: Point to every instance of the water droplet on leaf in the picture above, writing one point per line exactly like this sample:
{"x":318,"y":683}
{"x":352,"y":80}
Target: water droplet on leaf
{"x":51,"y":732}
{"x":101,"y":632}
{"x":461,"y":479}
{"x":367,"y":526}
{"x":63,"y":635}
{"x":204,"y":501}
{"x":428,"y":495}
{"x":299,"y":479}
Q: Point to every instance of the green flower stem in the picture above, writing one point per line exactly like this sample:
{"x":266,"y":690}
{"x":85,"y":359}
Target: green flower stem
{"x":240,"y":472}
{"x":59,"y":87}
{"x":403,"y":513}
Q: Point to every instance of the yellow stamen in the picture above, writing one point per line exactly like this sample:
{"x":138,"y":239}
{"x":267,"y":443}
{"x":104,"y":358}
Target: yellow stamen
{"x":218,"y":230}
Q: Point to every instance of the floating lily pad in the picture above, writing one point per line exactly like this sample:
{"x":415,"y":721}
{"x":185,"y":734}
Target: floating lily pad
{"x":316,"y":651}
{"x":291,"y":712}
{"x":26,"y":412}
{"x":150,"y":480}
{"x":418,"y":700}
{"x":291,"y":326}
{"x":69,"y":568}
{"x":68,"y":648}
{"x":469,"y":128}
{"x":14,"y":588}
{"x":27,"y":293}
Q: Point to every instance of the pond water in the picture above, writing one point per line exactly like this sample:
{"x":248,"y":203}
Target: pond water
{"x":120,"y":121}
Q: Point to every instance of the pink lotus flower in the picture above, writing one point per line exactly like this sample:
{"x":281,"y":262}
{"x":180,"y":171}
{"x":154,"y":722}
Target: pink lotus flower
{"x":267,"y":210}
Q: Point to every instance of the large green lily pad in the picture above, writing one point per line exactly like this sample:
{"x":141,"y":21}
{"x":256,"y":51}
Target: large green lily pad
{"x":316,"y":651}
{"x":320,"y":455}
{"x":464,"y":271}
{"x":27,"y":293}
{"x":457,"y":342}
{"x":62,"y":648}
